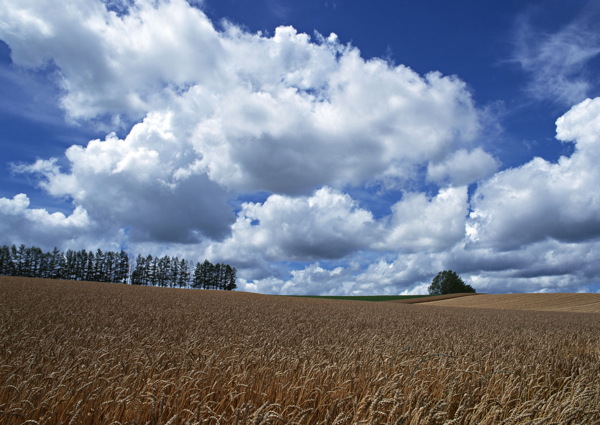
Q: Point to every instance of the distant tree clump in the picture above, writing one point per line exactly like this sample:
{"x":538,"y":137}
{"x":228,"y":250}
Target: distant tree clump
{"x":448,"y":282}
{"x":109,"y":266}
{"x":214,"y":276}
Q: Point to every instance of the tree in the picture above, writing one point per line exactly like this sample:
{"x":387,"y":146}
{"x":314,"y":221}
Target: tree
{"x":18,"y":257}
{"x":6,"y":262}
{"x":174,"y":273}
{"x":163,"y":271}
{"x":97,"y":266}
{"x":183,"y":275}
{"x":231,"y":277}
{"x":138,"y":275}
{"x":56,"y":264}
{"x":151,"y":270}
{"x":123,"y":268}
{"x":448,"y":282}
{"x":219,"y":276}
{"x":203,"y":275}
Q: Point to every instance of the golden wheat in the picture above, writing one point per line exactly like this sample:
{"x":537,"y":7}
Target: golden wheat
{"x":580,"y":303}
{"x":91,"y":353}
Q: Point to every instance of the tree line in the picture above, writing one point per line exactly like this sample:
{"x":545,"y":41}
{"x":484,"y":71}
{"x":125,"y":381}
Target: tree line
{"x":110,"y":266}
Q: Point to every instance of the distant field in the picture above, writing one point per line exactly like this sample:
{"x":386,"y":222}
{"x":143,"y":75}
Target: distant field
{"x":406,"y":299}
{"x":428,"y":298}
{"x":580,"y":303}
{"x":376,"y":298}
{"x":96,"y":353}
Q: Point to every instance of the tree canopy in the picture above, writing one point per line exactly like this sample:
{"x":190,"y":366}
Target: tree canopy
{"x":448,"y":282}
{"x":108,"y":266}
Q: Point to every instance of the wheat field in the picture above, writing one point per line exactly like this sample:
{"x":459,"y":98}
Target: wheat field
{"x":91,"y":353}
{"x":580,"y":303}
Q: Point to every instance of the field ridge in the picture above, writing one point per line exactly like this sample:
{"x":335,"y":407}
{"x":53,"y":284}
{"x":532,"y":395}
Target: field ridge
{"x":565,"y":302}
{"x":431,"y":298}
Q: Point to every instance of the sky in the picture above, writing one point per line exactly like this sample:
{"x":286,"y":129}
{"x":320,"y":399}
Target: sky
{"x":334,"y":147}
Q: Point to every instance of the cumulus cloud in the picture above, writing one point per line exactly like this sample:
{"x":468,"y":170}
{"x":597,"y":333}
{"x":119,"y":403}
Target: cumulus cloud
{"x":531,"y":228}
{"x":35,"y":226}
{"x":463,"y":167}
{"x":418,"y":223}
{"x":142,"y":183}
{"x":330,"y":225}
{"x":326,"y":225}
{"x":313,"y":279}
{"x":285,"y":113}
{"x":224,"y":112}
{"x":405,"y":274}
{"x":540,"y":199}
{"x":547,"y":265}
{"x":209,"y":116}
{"x":110,"y":63}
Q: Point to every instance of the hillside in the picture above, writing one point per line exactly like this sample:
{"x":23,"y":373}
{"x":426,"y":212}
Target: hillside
{"x":574,"y":303}
{"x":99,"y":353}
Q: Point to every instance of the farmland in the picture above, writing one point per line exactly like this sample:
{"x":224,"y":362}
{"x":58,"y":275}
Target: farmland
{"x":83,"y":353}
{"x":582,"y":303}
{"x":375,"y":298}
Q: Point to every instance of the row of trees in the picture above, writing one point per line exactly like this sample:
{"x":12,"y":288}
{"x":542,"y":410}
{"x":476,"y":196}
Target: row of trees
{"x":173,"y":272}
{"x":100,"y":266}
{"x":109,"y":266}
{"x":214,"y":276}
{"x":157,"y":271}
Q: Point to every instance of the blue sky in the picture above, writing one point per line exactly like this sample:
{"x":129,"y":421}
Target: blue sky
{"x":324,"y":147}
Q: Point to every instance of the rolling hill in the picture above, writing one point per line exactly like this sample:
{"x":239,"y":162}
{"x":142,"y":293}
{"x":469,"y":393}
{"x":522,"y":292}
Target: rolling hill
{"x":568,"y":302}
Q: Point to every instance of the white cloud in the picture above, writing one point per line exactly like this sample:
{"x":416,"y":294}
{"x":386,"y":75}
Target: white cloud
{"x":331,"y":225}
{"x":549,"y":265}
{"x":532,"y":228}
{"x":402,"y":276}
{"x":540,"y":199}
{"x":227,"y":112}
{"x":421,"y":224}
{"x":36,"y":226}
{"x":313,"y":280}
{"x":407,"y":274}
{"x":110,"y":64}
{"x":224,"y":114}
{"x":143,"y":183}
{"x":582,"y":126}
{"x":463,"y":167}
{"x":326,"y":225}
{"x":318,"y":114}
{"x":543,"y":266}
{"x":284,"y":114}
